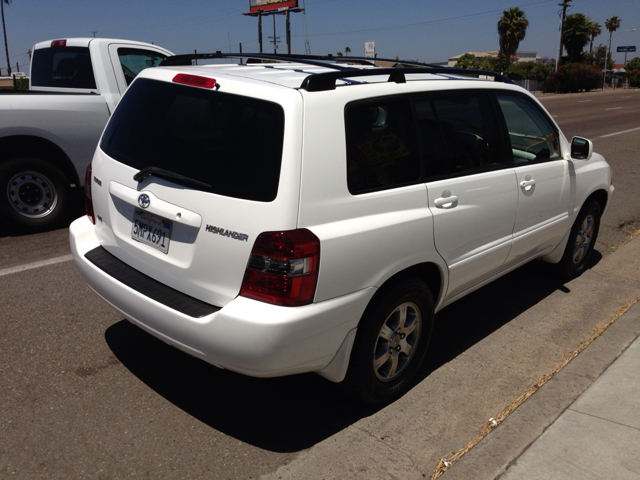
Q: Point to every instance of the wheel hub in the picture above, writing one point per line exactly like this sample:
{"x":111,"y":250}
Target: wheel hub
{"x":32,"y":194}
{"x":397,"y":342}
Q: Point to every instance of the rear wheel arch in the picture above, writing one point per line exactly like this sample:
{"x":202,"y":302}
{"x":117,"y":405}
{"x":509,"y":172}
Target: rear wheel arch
{"x":29,"y":146}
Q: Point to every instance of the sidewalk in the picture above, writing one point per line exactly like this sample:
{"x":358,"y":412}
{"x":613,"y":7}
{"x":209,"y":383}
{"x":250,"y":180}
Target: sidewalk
{"x":585,"y":422}
{"x":598,"y":436}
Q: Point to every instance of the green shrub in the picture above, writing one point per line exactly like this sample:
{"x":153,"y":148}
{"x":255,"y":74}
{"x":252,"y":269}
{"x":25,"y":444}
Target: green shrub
{"x":574,"y":77}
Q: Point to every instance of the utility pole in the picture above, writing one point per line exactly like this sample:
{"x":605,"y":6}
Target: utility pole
{"x":94,"y":33}
{"x":564,"y":6}
{"x":5,"y":38}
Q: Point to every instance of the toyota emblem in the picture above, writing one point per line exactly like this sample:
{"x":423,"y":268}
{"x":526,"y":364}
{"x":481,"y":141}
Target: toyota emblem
{"x":144,"y":201}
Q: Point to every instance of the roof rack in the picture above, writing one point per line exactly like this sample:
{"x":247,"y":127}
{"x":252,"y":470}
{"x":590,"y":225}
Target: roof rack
{"x":318,"y":82}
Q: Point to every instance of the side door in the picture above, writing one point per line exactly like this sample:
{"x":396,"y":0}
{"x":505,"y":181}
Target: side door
{"x":546,"y":183}
{"x":471,"y":188}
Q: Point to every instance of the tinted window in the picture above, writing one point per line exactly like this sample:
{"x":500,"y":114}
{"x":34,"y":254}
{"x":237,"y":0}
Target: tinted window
{"x":230,"y":142}
{"x":382,"y":147}
{"x":133,"y":61}
{"x":459,"y":134}
{"x":532,"y":136}
{"x":65,"y":67}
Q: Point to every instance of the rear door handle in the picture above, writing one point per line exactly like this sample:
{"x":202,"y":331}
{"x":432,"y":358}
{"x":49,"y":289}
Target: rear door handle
{"x":442,"y":201}
{"x":527,"y":183}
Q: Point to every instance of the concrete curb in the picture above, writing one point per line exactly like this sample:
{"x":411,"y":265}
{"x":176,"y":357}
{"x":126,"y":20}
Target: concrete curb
{"x":490,"y":458}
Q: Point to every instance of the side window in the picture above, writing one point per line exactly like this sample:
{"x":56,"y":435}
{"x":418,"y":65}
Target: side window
{"x":459,"y":134}
{"x":532,"y":136}
{"x":134,"y":60}
{"x":382,"y":145}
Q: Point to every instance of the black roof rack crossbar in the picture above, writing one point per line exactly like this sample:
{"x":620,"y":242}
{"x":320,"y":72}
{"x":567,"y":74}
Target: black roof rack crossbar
{"x":327,"y":80}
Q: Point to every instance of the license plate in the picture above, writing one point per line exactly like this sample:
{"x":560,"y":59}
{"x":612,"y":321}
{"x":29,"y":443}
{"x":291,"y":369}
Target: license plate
{"x":151,"y":230}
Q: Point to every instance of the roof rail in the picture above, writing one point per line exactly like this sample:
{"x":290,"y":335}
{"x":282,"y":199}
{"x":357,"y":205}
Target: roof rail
{"x":317,"y":82}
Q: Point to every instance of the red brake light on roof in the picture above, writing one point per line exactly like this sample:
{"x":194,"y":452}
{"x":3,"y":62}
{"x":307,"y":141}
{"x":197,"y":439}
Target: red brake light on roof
{"x":58,"y":43}
{"x":283,"y":268}
{"x":195,"y":80}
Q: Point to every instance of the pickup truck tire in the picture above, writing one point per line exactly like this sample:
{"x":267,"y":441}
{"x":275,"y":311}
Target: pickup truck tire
{"x":33,"y":194}
{"x":582,"y":239}
{"x":392,"y":340}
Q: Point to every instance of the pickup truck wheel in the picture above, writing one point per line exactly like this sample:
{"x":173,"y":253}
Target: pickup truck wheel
{"x":33,"y":193}
{"x":582,"y":239}
{"x":391,"y":342}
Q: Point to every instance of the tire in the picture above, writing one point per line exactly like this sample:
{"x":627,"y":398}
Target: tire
{"x":582,"y":239}
{"x":392,"y":340}
{"x":34,"y":195}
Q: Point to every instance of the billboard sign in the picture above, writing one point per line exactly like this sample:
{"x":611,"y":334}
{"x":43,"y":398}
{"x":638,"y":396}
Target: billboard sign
{"x":627,"y":49}
{"x":268,"y":5}
{"x":370,"y":49}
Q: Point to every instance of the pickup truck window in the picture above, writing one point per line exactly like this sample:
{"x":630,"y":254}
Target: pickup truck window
{"x":230,"y":142}
{"x":134,"y":60}
{"x":64,"y":67}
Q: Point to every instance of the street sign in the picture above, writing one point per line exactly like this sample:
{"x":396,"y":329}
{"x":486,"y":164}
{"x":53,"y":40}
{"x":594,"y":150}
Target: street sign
{"x":627,"y":49}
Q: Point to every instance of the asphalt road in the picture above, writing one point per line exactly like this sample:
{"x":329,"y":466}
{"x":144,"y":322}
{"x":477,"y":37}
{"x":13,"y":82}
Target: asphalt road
{"x":87,"y":395}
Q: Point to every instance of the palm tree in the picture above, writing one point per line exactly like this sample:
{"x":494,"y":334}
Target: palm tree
{"x":4,"y":29}
{"x":512,"y":28}
{"x":576,"y":34}
{"x":347,"y":51}
{"x":595,"y":29}
{"x":612,"y":24}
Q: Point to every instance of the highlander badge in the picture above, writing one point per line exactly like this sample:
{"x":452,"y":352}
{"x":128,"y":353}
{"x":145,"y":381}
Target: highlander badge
{"x":144,"y":201}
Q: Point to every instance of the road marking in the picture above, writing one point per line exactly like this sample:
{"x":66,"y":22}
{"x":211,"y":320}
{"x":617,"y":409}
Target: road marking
{"x":583,"y":101}
{"x":614,"y":108}
{"x":618,"y":133}
{"x":30,"y":266}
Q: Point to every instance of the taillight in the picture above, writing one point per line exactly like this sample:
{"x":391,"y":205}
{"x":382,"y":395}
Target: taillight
{"x":58,"y":43}
{"x":283,"y":268}
{"x":88,"y":199}
{"x":194,"y":80}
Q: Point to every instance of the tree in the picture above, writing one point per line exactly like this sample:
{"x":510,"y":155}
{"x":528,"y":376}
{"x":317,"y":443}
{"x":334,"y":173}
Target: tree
{"x":468,"y":60}
{"x":612,"y":24}
{"x":633,"y":70}
{"x":512,"y":28}
{"x":347,"y":51}
{"x":575,"y":35}
{"x":4,"y":29}
{"x":595,"y":29}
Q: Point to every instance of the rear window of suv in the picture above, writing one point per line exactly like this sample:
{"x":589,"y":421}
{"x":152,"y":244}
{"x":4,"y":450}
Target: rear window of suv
{"x":230,"y":142}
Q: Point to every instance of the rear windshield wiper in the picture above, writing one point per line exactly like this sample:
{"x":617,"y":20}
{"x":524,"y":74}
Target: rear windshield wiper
{"x":168,"y":175}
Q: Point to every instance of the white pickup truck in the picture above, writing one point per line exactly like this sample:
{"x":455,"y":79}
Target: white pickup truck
{"x":48,"y":134}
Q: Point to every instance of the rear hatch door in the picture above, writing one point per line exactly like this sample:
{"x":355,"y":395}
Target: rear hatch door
{"x":187,"y":176}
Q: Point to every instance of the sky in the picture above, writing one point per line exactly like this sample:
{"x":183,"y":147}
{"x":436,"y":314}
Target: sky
{"x":426,"y":30}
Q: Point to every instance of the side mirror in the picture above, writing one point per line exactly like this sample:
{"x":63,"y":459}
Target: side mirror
{"x":581,"y":148}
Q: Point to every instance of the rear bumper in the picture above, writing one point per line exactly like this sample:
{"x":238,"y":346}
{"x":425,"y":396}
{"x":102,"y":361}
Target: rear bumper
{"x":246,"y":336}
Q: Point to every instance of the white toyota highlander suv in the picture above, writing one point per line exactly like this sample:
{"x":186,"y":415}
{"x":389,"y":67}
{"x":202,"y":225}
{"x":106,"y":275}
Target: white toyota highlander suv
{"x":312,"y":216}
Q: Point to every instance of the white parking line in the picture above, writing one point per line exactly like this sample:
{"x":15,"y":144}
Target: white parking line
{"x":29,"y":266}
{"x":618,"y":133}
{"x":584,"y":101}
{"x":614,"y":108}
